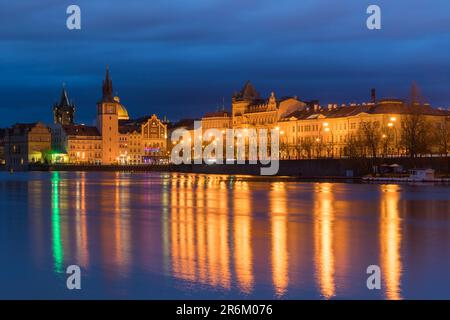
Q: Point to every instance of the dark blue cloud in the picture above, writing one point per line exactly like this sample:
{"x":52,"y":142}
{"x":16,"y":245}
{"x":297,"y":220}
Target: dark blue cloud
{"x":182,"y":58}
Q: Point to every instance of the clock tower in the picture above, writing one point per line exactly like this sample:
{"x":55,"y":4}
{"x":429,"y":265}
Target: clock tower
{"x":108,"y":123}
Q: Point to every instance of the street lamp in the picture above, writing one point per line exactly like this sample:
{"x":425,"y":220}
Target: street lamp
{"x":391,"y":126}
{"x":328,"y":130}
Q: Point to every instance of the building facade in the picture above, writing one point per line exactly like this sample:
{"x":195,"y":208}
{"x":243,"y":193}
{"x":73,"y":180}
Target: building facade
{"x":217,"y":120}
{"x":371,"y":129}
{"x":124,"y":140}
{"x":76,"y":144}
{"x":249,"y":110}
{"x":308,"y":130}
{"x":26,"y":144}
{"x":143,"y":141}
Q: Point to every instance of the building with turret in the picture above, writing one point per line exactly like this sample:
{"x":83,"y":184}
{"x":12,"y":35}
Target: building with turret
{"x":115,"y":139}
{"x":250,"y":110}
{"x":64,"y":111}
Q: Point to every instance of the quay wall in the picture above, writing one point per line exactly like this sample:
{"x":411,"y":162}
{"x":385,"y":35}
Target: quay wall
{"x":299,"y":168}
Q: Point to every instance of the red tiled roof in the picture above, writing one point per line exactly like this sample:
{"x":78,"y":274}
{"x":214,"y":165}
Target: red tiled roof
{"x":80,"y":130}
{"x":217,"y":114}
{"x":383,"y":107}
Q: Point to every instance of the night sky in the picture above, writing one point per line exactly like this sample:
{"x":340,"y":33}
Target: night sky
{"x":182,"y":58}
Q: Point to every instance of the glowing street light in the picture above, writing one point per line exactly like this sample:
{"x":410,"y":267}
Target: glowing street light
{"x":390,"y":124}
{"x":393,"y":119}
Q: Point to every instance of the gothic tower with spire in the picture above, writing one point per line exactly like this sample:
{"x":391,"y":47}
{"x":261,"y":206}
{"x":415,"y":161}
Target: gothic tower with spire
{"x":241,"y":100}
{"x":64,"y":111}
{"x":108,"y":122}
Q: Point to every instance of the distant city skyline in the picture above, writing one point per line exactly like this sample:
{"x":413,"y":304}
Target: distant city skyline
{"x":183,"y":59}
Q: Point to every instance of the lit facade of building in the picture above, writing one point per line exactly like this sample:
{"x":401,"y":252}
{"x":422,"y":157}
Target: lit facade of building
{"x":76,"y":144}
{"x":217,"y":120}
{"x":116,"y":139}
{"x":26,"y":144}
{"x":127,"y":141}
{"x":143,"y":141}
{"x":308,"y":130}
{"x":249,"y":110}
{"x":334,"y":131}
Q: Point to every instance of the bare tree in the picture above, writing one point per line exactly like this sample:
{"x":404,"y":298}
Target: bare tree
{"x":415,"y":134}
{"x":318,"y":147}
{"x":353,"y":147}
{"x":371,"y":137}
{"x":307,"y":147}
{"x":441,"y":137}
{"x":298,"y":151}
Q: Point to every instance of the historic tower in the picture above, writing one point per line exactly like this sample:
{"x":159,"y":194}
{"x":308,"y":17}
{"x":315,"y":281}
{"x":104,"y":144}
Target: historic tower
{"x":242,"y":100}
{"x":108,"y":122}
{"x":63,"y":112}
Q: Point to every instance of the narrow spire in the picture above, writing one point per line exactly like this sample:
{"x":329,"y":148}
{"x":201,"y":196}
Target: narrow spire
{"x":64,"y":100}
{"x":107,"y":88}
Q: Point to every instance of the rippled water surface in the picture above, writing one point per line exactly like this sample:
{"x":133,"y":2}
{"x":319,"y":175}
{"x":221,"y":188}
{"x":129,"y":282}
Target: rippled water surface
{"x":170,"y":236}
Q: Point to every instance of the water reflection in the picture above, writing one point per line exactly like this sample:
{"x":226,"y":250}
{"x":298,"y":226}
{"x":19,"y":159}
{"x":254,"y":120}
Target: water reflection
{"x":278,"y":217}
{"x":323,"y":239}
{"x":200,"y":246}
{"x":58,"y":252}
{"x":390,"y":240}
{"x":121,"y":224}
{"x":242,"y":235}
{"x":232,"y":235}
{"x":81,"y":221}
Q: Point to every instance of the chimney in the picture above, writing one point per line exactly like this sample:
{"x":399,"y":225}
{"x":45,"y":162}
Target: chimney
{"x":373,"y":95}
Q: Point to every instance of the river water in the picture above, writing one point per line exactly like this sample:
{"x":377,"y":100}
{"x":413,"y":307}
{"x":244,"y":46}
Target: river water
{"x":188,"y":236}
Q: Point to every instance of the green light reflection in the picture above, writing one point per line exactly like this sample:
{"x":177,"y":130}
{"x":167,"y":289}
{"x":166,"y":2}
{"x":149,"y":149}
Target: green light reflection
{"x":58,"y":252}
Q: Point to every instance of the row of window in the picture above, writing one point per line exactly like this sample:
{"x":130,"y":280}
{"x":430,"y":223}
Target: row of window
{"x":83,"y":147}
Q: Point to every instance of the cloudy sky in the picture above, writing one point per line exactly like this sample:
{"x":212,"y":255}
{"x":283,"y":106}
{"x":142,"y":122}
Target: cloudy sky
{"x":181,"y":58}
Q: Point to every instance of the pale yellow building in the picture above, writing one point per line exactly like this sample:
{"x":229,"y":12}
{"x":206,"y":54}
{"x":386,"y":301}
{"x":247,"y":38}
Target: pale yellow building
{"x":26,"y":143}
{"x":249,"y":110}
{"x":308,"y":130}
{"x":81,"y":144}
{"x":220,"y":120}
{"x":334,"y":131}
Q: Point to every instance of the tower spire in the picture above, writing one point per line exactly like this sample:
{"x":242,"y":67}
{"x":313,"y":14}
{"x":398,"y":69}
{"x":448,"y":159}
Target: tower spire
{"x":107,"y":88}
{"x":63,"y":112}
{"x":64,"y":100}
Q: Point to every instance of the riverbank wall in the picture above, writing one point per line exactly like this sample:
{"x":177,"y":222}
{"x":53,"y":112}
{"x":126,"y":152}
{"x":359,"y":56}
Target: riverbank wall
{"x":344,"y":168}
